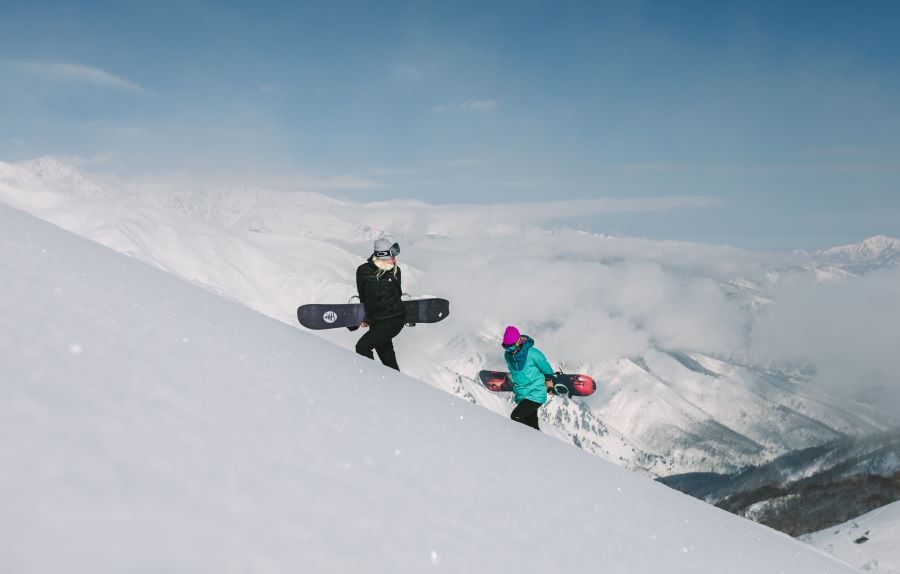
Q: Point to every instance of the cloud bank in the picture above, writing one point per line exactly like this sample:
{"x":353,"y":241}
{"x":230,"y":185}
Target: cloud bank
{"x":77,"y":72}
{"x":846,"y":330}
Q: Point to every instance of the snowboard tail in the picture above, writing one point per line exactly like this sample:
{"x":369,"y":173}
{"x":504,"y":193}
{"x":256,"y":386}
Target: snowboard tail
{"x":332,"y":316}
{"x":426,"y":310}
{"x":573,"y":385}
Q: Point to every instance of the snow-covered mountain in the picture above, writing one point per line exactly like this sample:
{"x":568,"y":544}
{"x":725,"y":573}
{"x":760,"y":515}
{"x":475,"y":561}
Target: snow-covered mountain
{"x":873,"y":253}
{"x":663,"y":326}
{"x":810,"y":489}
{"x":149,"y":425}
{"x":868,"y":542}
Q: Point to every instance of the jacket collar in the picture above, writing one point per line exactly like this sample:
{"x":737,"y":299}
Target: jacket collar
{"x":519,"y":356}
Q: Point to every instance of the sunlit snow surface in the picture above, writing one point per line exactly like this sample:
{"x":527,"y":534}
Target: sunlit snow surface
{"x":150,"y":426}
{"x":870,"y":542}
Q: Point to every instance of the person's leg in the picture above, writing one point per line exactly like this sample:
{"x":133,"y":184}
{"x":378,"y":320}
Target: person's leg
{"x":370,"y":341}
{"x":378,"y":338}
{"x":386,"y":354}
{"x":533,"y":420}
{"x":526,"y":412}
{"x":389,"y":329}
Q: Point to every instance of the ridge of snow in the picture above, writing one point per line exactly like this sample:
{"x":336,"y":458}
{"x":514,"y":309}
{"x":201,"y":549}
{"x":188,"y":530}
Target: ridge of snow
{"x":50,"y":173}
{"x":871,"y":248}
{"x":862,"y":257}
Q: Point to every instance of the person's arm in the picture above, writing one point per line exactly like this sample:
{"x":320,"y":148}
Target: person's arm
{"x":543,"y":365}
{"x":540,"y":361}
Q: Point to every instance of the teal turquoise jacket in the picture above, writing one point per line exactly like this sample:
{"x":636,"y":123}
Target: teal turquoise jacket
{"x":528,"y":366}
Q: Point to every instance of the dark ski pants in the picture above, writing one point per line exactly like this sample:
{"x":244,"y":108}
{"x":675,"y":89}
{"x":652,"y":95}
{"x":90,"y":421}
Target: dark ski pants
{"x":380,"y":339}
{"x":526,"y":412}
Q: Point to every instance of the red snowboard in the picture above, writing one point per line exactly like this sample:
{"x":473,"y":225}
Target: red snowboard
{"x":563,"y":384}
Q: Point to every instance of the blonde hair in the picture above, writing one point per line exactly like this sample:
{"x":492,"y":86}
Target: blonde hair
{"x":384,"y":267}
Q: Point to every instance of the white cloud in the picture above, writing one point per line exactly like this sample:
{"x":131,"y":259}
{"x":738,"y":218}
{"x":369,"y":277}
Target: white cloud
{"x":116,"y":130}
{"x":549,"y":210}
{"x":515,"y":183}
{"x":839,"y":152}
{"x":585,"y":298}
{"x":462,"y":163}
{"x":101,"y":158}
{"x":79,"y":73}
{"x":824,"y":167}
{"x":652,"y":167}
{"x":478,"y":105}
{"x":846,"y":329}
{"x":387,"y":171}
{"x":467,"y":106}
{"x":342,"y":182}
{"x":270,"y":89}
{"x":407,"y":74}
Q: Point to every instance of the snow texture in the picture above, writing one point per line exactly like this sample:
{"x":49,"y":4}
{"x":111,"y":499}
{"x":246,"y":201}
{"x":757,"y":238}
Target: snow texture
{"x":150,"y":426}
{"x":870,"y":542}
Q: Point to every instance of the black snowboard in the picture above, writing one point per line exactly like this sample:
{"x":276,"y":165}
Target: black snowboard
{"x":328,"y":316}
{"x":563,"y":384}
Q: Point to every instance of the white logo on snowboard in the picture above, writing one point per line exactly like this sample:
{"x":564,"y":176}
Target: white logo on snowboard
{"x":329,"y":317}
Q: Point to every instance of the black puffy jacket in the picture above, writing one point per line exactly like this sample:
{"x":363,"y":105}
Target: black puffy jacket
{"x":380,"y":294}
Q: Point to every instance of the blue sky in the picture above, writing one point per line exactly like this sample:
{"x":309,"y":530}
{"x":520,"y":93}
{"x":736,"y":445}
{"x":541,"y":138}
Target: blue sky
{"x":786,"y":115}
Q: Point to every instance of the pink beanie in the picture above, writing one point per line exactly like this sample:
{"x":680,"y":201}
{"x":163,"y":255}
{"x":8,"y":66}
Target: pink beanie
{"x":510,"y":336}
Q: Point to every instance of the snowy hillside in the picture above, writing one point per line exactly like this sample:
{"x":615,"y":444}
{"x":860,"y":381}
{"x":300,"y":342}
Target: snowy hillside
{"x":810,"y":489}
{"x":868,"y":542}
{"x":150,"y":425}
{"x":663,"y":326}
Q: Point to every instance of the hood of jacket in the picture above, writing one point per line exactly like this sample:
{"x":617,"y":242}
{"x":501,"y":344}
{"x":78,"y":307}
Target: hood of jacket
{"x":518,"y":357}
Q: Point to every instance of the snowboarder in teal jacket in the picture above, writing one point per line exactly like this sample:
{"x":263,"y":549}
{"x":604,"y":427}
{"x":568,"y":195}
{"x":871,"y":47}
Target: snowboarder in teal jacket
{"x":529,"y":370}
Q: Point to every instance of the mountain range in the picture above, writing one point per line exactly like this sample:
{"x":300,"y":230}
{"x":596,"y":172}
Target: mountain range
{"x":150,"y":425}
{"x":666,"y":328}
{"x":807,"y":490}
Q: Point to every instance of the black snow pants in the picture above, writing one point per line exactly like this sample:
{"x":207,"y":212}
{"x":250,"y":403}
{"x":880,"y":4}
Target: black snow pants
{"x":526,"y":412}
{"x":380,"y":338}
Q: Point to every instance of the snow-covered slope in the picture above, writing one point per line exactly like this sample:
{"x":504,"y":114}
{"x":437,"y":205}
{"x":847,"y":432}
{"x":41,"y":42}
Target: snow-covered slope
{"x":698,"y":411}
{"x":148,"y":425}
{"x":644,"y":317}
{"x":870,"y":542}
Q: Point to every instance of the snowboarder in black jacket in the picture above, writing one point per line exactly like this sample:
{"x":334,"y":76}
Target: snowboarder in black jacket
{"x":378,"y":285}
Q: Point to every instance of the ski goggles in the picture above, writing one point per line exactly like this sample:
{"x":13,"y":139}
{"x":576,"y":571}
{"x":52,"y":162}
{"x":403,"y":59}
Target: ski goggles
{"x":393,"y":251}
{"x":513,"y":348}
